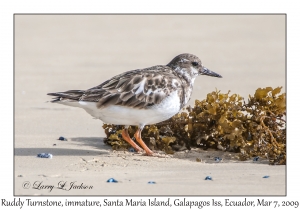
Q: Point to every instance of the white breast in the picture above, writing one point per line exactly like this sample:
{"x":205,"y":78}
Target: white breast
{"x":122,"y":115}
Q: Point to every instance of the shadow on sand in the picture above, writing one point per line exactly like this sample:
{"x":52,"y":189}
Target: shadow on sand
{"x":99,"y":148}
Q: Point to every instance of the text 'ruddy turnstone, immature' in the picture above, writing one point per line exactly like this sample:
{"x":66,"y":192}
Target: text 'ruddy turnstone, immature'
{"x":140,"y":97}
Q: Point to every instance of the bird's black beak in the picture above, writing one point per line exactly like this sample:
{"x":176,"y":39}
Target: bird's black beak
{"x":206,"y":71}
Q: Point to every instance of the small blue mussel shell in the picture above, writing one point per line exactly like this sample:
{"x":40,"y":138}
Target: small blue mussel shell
{"x":266,"y":177}
{"x":217,"y":159}
{"x":255,"y":158}
{"x":151,"y":182}
{"x":62,"y":138}
{"x":44,"y":155}
{"x":208,"y":178}
{"x":112,"y":180}
{"x":131,"y":149}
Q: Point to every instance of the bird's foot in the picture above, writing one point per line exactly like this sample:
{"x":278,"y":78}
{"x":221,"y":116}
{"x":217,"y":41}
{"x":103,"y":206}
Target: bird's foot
{"x":127,"y":138}
{"x":137,"y":136}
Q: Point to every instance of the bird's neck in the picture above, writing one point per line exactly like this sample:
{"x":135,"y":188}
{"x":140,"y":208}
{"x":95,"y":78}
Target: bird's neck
{"x":187,"y":77}
{"x":187,"y":74}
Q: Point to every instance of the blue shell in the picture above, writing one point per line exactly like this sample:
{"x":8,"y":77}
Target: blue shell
{"x":255,"y":158}
{"x":62,"y":138}
{"x":44,"y":155}
{"x":266,"y":177}
{"x":208,"y":178}
{"x":217,"y":159}
{"x":131,"y":149}
{"x":151,"y":182}
{"x":112,"y":180}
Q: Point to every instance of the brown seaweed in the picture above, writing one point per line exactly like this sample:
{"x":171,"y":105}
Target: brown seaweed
{"x":222,"y":122}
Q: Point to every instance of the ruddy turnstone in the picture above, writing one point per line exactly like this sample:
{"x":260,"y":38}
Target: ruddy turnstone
{"x":140,"y":97}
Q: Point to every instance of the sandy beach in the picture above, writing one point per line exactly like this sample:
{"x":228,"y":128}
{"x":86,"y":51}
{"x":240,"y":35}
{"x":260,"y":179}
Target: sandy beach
{"x":67,"y":52}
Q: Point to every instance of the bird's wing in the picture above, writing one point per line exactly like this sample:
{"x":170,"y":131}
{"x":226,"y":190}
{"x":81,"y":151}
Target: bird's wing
{"x":138,"y":88}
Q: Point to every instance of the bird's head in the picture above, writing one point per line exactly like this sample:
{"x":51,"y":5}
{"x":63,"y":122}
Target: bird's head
{"x":190,"y":65}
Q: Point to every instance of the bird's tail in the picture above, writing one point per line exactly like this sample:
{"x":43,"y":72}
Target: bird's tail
{"x":70,"y":95}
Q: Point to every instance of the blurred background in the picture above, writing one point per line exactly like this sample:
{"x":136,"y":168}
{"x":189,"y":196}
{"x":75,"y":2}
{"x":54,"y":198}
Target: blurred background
{"x":81,"y":51}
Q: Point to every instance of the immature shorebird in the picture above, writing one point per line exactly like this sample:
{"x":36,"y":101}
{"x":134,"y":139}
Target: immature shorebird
{"x":140,"y":97}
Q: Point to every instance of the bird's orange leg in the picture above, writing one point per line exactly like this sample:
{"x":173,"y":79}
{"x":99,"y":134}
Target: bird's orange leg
{"x":138,"y":137}
{"x":127,"y":138}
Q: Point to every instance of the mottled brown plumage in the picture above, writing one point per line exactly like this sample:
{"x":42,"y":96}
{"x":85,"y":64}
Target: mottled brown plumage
{"x":140,"y":97}
{"x":142,"y":88}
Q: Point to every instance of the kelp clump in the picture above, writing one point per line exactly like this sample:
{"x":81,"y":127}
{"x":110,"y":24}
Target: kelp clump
{"x":221,"y":121}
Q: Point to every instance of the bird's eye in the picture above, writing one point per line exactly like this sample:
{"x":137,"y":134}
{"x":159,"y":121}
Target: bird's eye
{"x":195,"y":63}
